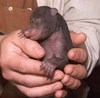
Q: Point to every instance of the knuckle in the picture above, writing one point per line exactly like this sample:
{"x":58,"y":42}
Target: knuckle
{"x":28,"y":93}
{"x":21,"y":68}
{"x":76,"y":85}
{"x":6,"y":75}
{"x":50,"y":89}
{"x":79,"y":84}
{"x":58,"y":75}
{"x":56,"y":86}
{"x":2,"y":62}
{"x":31,"y":93}
{"x":28,"y":82}
{"x":66,"y":79}
{"x":83,"y":72}
{"x":5,"y":62}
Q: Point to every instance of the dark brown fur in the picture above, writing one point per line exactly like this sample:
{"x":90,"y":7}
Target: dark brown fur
{"x":49,"y":28}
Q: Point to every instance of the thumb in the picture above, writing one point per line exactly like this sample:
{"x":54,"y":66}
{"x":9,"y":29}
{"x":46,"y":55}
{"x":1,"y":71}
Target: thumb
{"x":78,"y":55}
{"x":29,"y":47}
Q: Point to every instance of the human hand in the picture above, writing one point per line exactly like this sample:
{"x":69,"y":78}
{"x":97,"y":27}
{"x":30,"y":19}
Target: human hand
{"x":75,"y":72}
{"x":19,"y":65}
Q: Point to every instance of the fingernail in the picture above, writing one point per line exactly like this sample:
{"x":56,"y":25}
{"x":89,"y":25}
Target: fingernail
{"x":69,"y":70}
{"x":58,"y":75}
{"x":66,"y":79}
{"x":57,"y":86}
{"x":72,"y":55}
{"x":39,"y":52}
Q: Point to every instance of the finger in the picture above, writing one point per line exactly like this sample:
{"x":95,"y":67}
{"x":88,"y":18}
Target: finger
{"x":78,"y":38}
{"x":25,"y":65}
{"x":60,"y":94}
{"x":30,"y":47}
{"x":78,"y":55}
{"x":71,"y":82}
{"x":76,"y":70}
{"x":41,"y":90}
{"x":32,"y":80}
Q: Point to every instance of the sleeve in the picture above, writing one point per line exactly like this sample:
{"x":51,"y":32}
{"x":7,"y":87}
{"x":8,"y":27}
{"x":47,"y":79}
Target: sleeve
{"x":82,"y":16}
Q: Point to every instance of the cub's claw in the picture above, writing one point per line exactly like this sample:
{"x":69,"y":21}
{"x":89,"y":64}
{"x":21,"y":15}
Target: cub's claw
{"x":48,"y":68}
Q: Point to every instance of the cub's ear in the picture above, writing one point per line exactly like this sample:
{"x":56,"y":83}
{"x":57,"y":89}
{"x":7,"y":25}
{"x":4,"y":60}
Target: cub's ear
{"x":54,"y":11}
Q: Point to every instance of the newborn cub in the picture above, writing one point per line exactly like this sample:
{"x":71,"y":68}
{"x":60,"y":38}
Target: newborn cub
{"x":49,"y":28}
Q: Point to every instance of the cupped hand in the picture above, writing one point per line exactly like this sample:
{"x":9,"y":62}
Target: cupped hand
{"x":20,"y":64}
{"x":75,"y":72}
